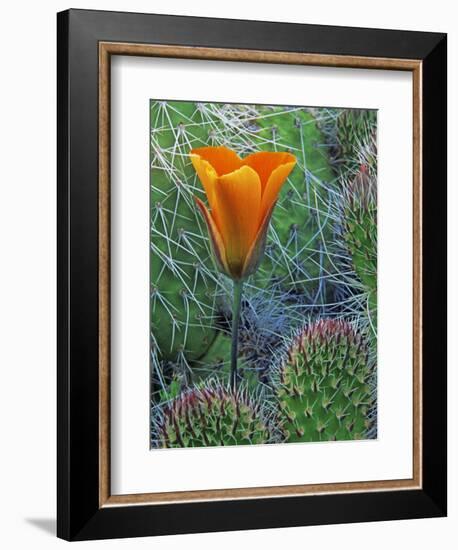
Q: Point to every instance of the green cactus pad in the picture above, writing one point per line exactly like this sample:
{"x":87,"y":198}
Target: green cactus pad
{"x":356,"y":129}
{"x":359,"y":233}
{"x":323,"y":391}
{"x":296,"y":255}
{"x":183,"y":284}
{"x":211,"y":416}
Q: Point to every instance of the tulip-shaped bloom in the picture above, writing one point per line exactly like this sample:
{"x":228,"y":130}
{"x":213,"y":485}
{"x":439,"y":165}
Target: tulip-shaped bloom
{"x":241,"y":194}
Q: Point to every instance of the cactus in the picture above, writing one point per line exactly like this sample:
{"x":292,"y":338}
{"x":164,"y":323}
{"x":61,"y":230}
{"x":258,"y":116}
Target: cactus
{"x":356,"y":233}
{"x":356,"y":230}
{"x":348,"y":132}
{"x":323,"y":390}
{"x":320,"y":256}
{"x":296,"y":256}
{"x":264,"y":322}
{"x":355,"y":129}
{"x":359,"y":233}
{"x":183,"y":288}
{"x":211,"y":416}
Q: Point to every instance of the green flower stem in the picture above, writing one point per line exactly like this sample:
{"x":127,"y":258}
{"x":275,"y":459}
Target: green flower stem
{"x":238,"y":289}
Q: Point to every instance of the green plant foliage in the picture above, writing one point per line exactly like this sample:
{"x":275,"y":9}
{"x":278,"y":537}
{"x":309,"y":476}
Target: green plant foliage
{"x":356,"y":129}
{"x":323,"y":391}
{"x":296,"y":256}
{"x":211,"y":416}
{"x":320,"y":261}
{"x":183,"y":283}
{"x":185,"y":287}
{"x":359,"y":233}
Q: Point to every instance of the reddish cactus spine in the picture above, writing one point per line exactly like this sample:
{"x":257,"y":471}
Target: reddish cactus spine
{"x":324,"y":391}
{"x":212,"y":416}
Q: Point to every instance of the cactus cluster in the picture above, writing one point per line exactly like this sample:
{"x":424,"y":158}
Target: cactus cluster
{"x":350,"y":134}
{"x":183,"y":287}
{"x":356,"y":230}
{"x":296,"y":259}
{"x":356,"y":130}
{"x":356,"y":220}
{"x":323,"y":391}
{"x":359,"y":235}
{"x":212,"y":416}
{"x":317,"y":282}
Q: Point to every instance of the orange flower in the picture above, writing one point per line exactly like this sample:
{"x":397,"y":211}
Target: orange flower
{"x":241,"y":194}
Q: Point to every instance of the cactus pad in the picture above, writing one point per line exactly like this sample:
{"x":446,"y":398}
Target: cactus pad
{"x":323,"y":390}
{"x":212,"y":416}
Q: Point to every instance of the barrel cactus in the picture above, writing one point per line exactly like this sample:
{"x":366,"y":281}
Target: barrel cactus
{"x":211,"y":415}
{"x":323,"y":389}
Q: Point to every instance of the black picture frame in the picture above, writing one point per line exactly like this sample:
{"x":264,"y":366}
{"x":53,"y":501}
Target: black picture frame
{"x":80,"y":516}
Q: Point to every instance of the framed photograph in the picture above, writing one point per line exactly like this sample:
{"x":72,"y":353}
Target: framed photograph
{"x":251,"y":274}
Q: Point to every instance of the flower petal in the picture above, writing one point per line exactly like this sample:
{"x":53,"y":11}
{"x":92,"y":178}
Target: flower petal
{"x":222,"y":159}
{"x":264,"y":163}
{"x":274,"y":184}
{"x":256,"y":252}
{"x":215,"y":237}
{"x":238,"y":196}
{"x":207,"y":176}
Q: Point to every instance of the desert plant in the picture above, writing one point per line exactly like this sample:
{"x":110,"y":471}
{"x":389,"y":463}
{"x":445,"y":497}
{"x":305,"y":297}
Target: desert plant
{"x":183,"y":286}
{"x":359,"y":234}
{"x":186,"y":289}
{"x":212,"y":415}
{"x":356,"y":128}
{"x":297,"y":258}
{"x":323,"y":391}
{"x":308,"y":271}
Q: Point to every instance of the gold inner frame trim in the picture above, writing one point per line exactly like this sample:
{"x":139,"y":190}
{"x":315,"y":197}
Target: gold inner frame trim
{"x":106,"y":50}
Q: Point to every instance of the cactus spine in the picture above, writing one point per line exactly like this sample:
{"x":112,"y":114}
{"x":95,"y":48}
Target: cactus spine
{"x":359,"y":232}
{"x":356,"y":128}
{"x":296,"y":256}
{"x":320,"y":256}
{"x":323,"y":390}
{"x":212,"y":416}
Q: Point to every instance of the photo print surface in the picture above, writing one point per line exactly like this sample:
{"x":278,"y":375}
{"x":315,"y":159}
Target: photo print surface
{"x":263,"y":274}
